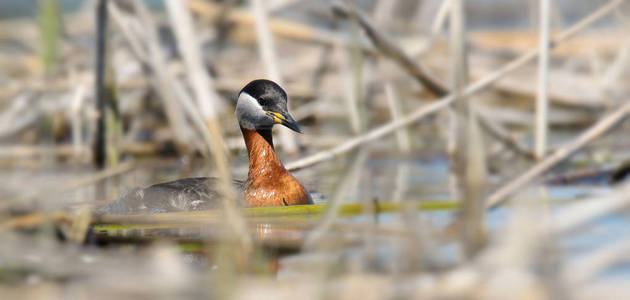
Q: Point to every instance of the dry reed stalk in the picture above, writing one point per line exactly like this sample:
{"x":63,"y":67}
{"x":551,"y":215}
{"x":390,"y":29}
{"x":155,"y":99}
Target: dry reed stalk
{"x":209,"y":103}
{"x":617,"y":67}
{"x":336,"y":202}
{"x":128,"y":31}
{"x":76,"y":119}
{"x":499,"y":132}
{"x":349,"y":93}
{"x":413,"y":67}
{"x":17,"y":115}
{"x":458,"y":77}
{"x":358,"y":68}
{"x":134,"y":33}
{"x":400,"y":183}
{"x":474,"y":231}
{"x":577,"y":214}
{"x":599,"y":128}
{"x":581,"y":272}
{"x":164,"y":82}
{"x":35,"y":220}
{"x":402,"y":135}
{"x":270,"y":61}
{"x":80,"y":224}
{"x":389,"y":49}
{"x":280,"y":4}
{"x":542,"y":97}
{"x":450,"y":131}
{"x":440,"y":17}
{"x":471,"y":89}
{"x":472,"y":161}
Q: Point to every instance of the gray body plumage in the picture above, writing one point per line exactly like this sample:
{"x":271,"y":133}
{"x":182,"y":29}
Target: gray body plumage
{"x":189,"y":194}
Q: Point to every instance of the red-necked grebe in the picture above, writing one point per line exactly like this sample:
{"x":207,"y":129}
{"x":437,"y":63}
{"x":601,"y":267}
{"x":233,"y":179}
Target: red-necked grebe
{"x":261,"y":104}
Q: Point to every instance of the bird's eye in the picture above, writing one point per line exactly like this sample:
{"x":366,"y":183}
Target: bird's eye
{"x":263,"y":102}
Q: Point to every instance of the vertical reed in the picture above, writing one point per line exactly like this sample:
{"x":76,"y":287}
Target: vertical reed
{"x":357,"y":67}
{"x":101,"y":45}
{"x":113,"y":125}
{"x":402,"y":134}
{"x":76,"y":118}
{"x":542,"y":101}
{"x":49,"y":27}
{"x":473,"y":164}
{"x":349,"y":96}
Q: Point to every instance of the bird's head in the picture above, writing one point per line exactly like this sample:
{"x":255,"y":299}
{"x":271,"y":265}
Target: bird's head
{"x":262,"y":104}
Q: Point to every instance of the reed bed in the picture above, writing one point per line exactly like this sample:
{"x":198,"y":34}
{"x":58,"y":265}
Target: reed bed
{"x":123,"y":93}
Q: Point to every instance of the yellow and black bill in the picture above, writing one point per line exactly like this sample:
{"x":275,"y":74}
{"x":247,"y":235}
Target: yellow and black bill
{"x":285,"y":119}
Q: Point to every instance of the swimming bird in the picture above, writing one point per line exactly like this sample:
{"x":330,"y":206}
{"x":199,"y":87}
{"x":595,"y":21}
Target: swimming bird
{"x":260,"y":105}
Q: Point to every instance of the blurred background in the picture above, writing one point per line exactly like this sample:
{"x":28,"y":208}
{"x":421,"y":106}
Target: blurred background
{"x":451,"y":153}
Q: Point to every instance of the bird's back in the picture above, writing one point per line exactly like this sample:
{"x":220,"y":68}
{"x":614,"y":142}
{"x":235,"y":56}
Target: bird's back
{"x":188,"y":194}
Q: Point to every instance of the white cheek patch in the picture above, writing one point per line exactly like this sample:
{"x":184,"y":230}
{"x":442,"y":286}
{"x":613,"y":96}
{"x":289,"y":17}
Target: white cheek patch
{"x":248,"y":110}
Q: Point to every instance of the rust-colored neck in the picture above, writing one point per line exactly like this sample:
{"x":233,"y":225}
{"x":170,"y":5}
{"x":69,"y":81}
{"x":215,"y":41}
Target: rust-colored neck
{"x":268,"y":182}
{"x":262,"y":157}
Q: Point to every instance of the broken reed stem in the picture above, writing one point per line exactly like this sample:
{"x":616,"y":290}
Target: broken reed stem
{"x":542,"y":97}
{"x":270,"y":61}
{"x":443,"y":102}
{"x":599,"y":128}
{"x":209,"y":104}
{"x":389,"y":49}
